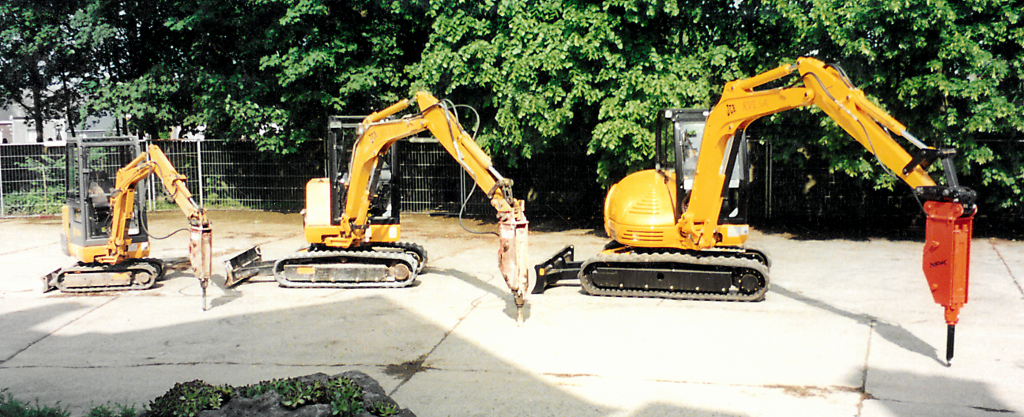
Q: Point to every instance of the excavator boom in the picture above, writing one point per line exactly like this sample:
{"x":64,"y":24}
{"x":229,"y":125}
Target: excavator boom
{"x":348,"y":250}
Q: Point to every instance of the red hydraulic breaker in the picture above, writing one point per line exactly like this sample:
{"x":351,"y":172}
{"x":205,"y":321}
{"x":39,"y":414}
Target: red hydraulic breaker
{"x":947,"y":259}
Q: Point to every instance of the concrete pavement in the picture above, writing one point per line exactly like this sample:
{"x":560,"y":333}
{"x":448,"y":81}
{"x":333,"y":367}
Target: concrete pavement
{"x":848,"y":329}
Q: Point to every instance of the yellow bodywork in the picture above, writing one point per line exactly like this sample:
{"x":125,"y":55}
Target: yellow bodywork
{"x":122,"y":202}
{"x":89,"y":254}
{"x":318,"y":227}
{"x":640,"y":211}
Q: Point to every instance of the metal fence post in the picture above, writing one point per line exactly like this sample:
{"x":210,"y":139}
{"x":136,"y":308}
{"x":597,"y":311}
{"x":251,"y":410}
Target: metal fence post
{"x":150,"y":185}
{"x":199,"y":160}
{"x":462,"y":189}
{"x":3,"y":210}
{"x":768,"y":181}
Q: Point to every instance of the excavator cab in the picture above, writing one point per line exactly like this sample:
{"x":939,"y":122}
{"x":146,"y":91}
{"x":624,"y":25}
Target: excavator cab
{"x":685,"y":127}
{"x":92,"y":164}
{"x":386,"y":195}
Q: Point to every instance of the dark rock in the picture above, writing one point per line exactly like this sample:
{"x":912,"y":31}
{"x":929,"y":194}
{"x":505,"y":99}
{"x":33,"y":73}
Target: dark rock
{"x":269,"y":404}
{"x":373,"y":393}
{"x":266,"y":405}
{"x":317,"y":377}
{"x":405,"y":413}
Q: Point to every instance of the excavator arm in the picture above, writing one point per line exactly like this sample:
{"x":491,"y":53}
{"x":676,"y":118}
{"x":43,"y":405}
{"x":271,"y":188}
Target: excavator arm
{"x":950,"y":208}
{"x":378,"y":132}
{"x":122,"y":203}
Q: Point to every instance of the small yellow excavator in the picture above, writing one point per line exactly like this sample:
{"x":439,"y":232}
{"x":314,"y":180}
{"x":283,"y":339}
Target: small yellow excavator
{"x":351,"y":219}
{"x":679,"y":231}
{"x":104,"y":225}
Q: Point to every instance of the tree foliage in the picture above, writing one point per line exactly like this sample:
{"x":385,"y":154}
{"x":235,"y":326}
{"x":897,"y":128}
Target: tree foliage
{"x":44,"y":58}
{"x":269,"y":70}
{"x":585,"y":74}
{"x":590,"y":73}
{"x":951,"y":71}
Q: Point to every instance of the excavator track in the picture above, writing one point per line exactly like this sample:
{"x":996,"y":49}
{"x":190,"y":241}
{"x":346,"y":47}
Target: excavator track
{"x":131,"y":275}
{"x":349,"y":268}
{"x":409,"y":248}
{"x":722,"y":276}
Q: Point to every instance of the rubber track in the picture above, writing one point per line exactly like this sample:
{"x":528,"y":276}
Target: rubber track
{"x":154,"y":266}
{"x":408,"y":247}
{"x":407,"y":259}
{"x":728,"y":261}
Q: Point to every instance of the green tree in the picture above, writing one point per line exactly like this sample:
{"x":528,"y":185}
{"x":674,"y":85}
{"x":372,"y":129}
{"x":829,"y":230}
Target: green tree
{"x":44,"y":58}
{"x":136,"y":51}
{"x":269,"y":70}
{"x":594,"y":73}
{"x":952,"y":71}
{"x":589,"y":73}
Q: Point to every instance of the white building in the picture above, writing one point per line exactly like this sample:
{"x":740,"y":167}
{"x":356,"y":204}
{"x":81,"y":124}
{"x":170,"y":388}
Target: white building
{"x":15,"y":128}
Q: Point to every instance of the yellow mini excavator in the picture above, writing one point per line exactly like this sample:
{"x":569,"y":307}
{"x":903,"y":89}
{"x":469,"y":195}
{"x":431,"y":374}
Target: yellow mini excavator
{"x":679,"y":231}
{"x":351,"y":217}
{"x":103,"y":223}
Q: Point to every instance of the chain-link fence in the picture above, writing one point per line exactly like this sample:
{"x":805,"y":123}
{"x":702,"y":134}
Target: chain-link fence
{"x":32,"y":180}
{"x":235,"y":174}
{"x":558,"y":184}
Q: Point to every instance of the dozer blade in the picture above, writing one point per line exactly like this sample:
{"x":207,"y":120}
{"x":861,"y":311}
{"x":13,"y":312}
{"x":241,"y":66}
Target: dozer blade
{"x":559,"y":267}
{"x":50,"y":280}
{"x":243,"y":266}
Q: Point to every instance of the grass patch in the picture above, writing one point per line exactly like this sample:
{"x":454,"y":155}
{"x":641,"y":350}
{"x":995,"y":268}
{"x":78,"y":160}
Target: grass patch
{"x":11,"y":407}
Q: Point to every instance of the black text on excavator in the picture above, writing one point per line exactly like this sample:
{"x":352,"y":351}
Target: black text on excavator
{"x":679,"y":232}
{"x":104,"y":222}
{"x":351,"y":218}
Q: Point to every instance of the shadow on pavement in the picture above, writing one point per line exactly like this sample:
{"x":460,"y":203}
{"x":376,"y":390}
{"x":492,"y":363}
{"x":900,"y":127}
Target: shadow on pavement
{"x":910,"y":394}
{"x":103,"y":355}
{"x":893,"y":333}
{"x":510,"y":305}
{"x":94,"y":364}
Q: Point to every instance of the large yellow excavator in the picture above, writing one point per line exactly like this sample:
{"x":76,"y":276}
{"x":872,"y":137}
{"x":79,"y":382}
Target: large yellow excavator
{"x":103,"y":223}
{"x":351,"y":217}
{"x":679,"y":232}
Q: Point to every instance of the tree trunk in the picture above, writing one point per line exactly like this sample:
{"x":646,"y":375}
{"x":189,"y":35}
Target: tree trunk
{"x":37,"y":115}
